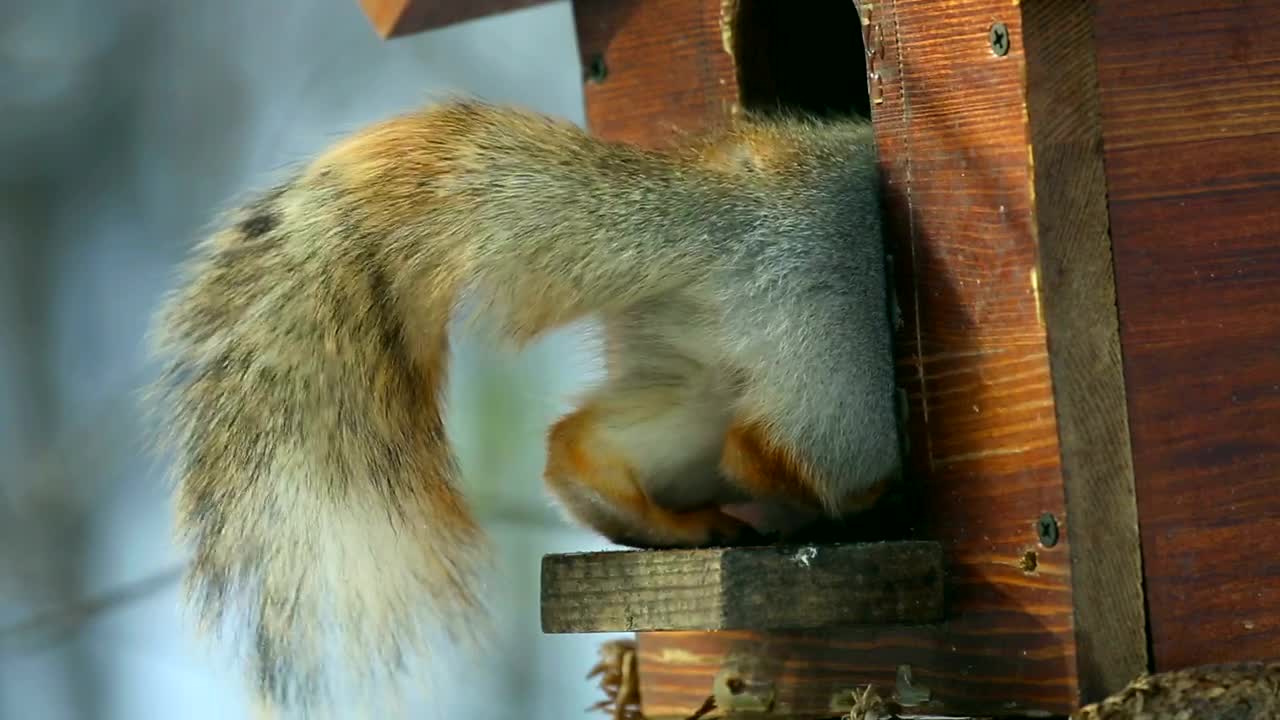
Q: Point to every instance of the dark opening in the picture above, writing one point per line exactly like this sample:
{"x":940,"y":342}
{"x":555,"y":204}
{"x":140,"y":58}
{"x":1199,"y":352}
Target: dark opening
{"x":805,"y":56}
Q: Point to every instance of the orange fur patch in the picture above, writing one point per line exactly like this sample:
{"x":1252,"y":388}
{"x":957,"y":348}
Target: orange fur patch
{"x":579,"y":466}
{"x":765,"y":468}
{"x":566,"y":452}
{"x":598,"y":485}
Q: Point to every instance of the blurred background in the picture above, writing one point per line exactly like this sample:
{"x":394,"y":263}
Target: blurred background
{"x":125,"y":127}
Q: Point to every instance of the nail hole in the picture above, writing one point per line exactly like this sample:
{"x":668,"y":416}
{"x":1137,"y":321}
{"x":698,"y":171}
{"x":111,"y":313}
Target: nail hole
{"x":1029,"y":561}
{"x":596,"y":70}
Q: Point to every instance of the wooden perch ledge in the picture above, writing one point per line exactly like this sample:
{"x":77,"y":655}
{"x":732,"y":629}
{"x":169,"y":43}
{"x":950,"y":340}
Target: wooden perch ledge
{"x":786,"y":587}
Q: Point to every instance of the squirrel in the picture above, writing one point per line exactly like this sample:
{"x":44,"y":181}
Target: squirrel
{"x":740,"y":281}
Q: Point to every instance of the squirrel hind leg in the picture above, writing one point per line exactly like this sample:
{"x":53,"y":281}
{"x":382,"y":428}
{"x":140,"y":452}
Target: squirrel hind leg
{"x":629,"y":468}
{"x":765,"y":467}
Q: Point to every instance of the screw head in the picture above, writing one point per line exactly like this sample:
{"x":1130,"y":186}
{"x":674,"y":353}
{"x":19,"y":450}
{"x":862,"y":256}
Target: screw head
{"x":1047,"y":530}
{"x":596,"y":70}
{"x":999,"y":38}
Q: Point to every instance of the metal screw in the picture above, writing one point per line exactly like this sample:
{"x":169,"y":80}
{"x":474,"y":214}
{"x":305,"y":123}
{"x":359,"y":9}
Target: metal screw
{"x":596,"y":70}
{"x":1047,"y":529}
{"x":999,"y":38}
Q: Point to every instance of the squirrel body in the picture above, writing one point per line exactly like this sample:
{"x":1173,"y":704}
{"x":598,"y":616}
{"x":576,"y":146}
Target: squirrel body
{"x":741,"y":285}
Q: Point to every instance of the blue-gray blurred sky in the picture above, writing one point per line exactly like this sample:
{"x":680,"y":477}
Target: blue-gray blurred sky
{"x":125,"y":126}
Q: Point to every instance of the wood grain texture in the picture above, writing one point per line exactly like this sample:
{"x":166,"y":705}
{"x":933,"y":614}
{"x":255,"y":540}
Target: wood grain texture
{"x":1077,"y":288}
{"x":666,"y":67}
{"x":952,"y":124}
{"x":1190,"y":98}
{"x":761,"y":588}
{"x":395,"y":18}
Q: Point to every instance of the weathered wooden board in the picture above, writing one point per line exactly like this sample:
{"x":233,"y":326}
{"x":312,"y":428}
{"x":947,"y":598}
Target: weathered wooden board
{"x":394,"y":18}
{"x":1190,"y":95}
{"x":760,"y":588}
{"x":1077,"y":286}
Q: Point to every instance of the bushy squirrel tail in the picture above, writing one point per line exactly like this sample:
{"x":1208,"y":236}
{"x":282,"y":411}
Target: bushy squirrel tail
{"x":305,"y":359}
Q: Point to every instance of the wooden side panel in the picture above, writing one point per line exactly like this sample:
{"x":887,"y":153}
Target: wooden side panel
{"x":1190,"y":93}
{"x":1079,"y":306}
{"x":952,"y":122}
{"x":394,"y":18}
{"x":654,"y":67}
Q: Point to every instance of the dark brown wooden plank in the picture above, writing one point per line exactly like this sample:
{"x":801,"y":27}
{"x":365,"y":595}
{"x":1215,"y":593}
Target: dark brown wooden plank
{"x":750,"y":588}
{"x":654,"y":67}
{"x":974,"y":360}
{"x":395,"y":18}
{"x":1077,"y":287}
{"x":1191,"y":124}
